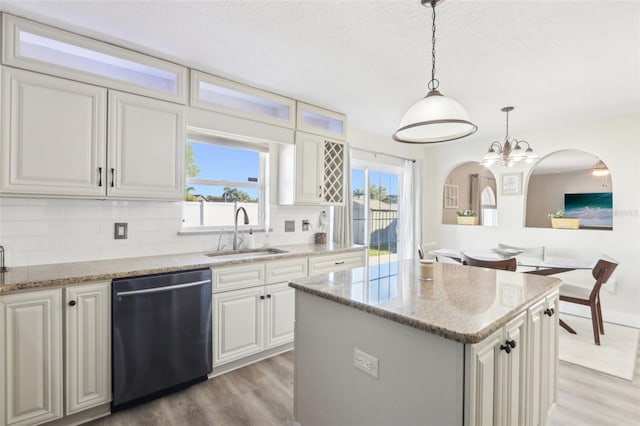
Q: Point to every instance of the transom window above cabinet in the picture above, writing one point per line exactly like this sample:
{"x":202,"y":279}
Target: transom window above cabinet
{"x":38,"y":47}
{"x":220,"y":95}
{"x":320,"y":121}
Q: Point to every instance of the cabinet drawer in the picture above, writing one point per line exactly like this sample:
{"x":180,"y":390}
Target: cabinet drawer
{"x":241,"y":276}
{"x":336,"y":262}
{"x":285,"y":270}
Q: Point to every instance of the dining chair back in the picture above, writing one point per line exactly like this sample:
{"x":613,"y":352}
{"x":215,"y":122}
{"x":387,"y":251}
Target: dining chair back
{"x":581,"y":294}
{"x":503,"y":264}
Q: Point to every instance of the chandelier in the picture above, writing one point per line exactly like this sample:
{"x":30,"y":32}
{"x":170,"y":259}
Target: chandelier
{"x":434,"y":118}
{"x":510,"y":153}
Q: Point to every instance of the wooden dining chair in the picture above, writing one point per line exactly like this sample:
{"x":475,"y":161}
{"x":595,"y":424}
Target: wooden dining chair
{"x":589,"y":296}
{"x":504,"y":264}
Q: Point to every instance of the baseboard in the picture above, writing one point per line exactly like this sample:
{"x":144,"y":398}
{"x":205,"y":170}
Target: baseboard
{"x":234,"y":365}
{"x":83,"y":416}
{"x":620,"y":318}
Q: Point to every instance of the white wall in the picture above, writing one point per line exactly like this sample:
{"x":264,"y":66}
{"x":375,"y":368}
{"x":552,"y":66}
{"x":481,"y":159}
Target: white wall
{"x":614,"y":140}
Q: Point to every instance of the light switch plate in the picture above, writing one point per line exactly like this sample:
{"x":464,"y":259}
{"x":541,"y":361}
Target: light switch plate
{"x":120,"y":231}
{"x":289,"y":225}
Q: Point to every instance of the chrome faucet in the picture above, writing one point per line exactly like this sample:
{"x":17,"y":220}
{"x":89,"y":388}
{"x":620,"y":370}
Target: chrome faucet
{"x":235,"y":225}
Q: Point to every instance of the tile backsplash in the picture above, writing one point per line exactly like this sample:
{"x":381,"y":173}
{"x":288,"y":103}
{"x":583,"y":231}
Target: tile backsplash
{"x":38,"y":231}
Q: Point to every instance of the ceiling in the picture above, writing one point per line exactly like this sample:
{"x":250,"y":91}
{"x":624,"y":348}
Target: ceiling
{"x":558,"y":62}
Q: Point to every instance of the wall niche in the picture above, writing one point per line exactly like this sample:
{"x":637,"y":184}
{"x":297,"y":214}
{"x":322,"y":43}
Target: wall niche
{"x":575,"y":182}
{"x":470,"y":186}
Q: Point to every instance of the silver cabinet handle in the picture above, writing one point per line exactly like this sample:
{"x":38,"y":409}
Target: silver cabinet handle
{"x":113,"y":177}
{"x":320,"y":193}
{"x":99,"y":176}
{"x":162,"y":289}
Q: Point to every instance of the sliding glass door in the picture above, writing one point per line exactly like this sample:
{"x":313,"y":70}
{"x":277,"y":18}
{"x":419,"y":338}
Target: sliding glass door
{"x":376,"y":219}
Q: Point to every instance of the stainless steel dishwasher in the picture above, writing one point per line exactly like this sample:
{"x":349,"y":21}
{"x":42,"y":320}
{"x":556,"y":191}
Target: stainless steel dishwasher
{"x":161,"y":331}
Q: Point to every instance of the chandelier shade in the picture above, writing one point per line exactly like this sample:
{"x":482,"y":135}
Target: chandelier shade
{"x":435,"y":118}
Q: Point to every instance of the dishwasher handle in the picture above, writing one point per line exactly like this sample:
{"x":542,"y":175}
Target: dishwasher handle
{"x":161,"y":289}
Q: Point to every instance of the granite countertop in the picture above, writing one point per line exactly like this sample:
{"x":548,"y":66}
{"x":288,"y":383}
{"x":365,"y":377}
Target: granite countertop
{"x":30,"y":277}
{"x":462,"y":303}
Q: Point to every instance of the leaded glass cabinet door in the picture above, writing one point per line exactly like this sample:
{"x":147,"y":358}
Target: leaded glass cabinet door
{"x":333,"y":191}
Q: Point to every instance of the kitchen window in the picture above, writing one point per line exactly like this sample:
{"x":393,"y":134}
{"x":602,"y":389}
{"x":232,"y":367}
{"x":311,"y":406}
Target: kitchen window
{"x":222,"y":175}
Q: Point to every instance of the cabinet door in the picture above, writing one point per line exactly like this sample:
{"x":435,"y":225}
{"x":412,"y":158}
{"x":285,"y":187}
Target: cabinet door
{"x":280,"y":314}
{"x":333,"y":172}
{"x":549,"y":364}
{"x":482,"y":381}
{"x":31,"y":345}
{"x":146,"y":148}
{"x":309,"y":169}
{"x":238,"y":324}
{"x":88,"y":353}
{"x":536,"y":353}
{"x":53,"y":135}
{"x":513,"y":371}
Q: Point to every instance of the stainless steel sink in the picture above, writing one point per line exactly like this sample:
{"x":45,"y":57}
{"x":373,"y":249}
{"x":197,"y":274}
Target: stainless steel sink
{"x":244,"y":254}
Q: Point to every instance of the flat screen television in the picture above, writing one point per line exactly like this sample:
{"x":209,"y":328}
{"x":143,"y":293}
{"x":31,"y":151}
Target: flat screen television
{"x":595,"y":209}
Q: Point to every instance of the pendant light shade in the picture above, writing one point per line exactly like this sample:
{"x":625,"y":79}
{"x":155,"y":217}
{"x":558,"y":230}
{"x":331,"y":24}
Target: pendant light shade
{"x":435,"y":118}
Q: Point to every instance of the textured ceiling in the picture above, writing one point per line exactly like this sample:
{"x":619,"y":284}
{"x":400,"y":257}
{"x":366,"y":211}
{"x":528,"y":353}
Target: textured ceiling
{"x":557,"y":61}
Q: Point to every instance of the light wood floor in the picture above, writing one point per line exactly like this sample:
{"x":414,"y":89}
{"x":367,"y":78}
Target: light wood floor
{"x":262,"y":394}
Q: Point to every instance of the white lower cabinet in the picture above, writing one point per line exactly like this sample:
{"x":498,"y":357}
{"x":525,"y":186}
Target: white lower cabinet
{"x":543,"y":359}
{"x":496,"y":376}
{"x":31,"y":355}
{"x":280,"y":314}
{"x":33,"y":350}
{"x":238,"y":322}
{"x":88,"y":346}
{"x":251,"y":320}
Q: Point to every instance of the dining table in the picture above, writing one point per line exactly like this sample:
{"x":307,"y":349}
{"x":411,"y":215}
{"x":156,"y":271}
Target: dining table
{"x":547,"y":265}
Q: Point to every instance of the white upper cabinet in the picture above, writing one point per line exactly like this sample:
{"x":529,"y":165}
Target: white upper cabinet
{"x":53,"y":135}
{"x":320,"y":121}
{"x":146,"y":148}
{"x":228,"y":97}
{"x":34,"y":46}
{"x":55,"y":141}
{"x":312,"y":171}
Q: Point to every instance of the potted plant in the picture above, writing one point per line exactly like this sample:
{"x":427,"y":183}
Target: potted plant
{"x":467,"y":217}
{"x":559,"y":220}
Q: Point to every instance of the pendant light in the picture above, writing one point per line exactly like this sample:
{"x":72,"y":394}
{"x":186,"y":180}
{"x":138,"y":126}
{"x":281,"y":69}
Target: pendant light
{"x":511,"y":152}
{"x":435,"y":118}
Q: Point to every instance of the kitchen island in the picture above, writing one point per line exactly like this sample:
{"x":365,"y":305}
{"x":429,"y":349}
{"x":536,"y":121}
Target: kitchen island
{"x":470,"y":346}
